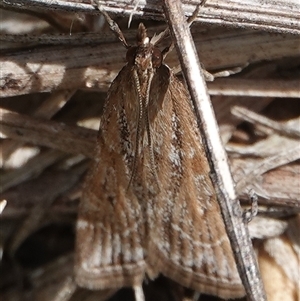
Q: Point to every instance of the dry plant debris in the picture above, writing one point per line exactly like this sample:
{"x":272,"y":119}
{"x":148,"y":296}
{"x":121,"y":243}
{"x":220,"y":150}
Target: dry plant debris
{"x":53,"y":88}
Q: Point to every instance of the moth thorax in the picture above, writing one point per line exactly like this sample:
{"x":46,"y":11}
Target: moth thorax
{"x":144,"y":57}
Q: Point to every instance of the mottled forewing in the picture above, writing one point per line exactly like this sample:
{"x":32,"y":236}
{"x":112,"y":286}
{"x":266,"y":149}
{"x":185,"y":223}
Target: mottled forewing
{"x":110,"y":226}
{"x":188,"y":241}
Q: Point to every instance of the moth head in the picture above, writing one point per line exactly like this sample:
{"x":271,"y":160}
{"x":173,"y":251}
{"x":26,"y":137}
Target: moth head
{"x":145,"y":55}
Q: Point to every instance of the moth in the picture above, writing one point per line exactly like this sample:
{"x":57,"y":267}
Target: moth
{"x":148,"y":205}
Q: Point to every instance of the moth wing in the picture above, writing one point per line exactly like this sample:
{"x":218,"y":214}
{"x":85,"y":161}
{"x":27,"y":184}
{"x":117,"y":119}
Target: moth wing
{"x":110,"y":226}
{"x":188,"y":241}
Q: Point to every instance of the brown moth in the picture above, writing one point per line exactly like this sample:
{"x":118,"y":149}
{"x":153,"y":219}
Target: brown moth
{"x":148,"y":205}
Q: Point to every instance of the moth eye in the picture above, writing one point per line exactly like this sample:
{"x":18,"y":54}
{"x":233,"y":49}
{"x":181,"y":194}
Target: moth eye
{"x":156,"y":58}
{"x":130,"y":55}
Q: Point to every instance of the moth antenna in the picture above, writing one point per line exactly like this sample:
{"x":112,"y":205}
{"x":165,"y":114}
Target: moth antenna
{"x":114,"y":27}
{"x":194,"y":15}
{"x":150,"y":145}
{"x":143,"y":109}
{"x":190,"y":21}
{"x":139,"y":124}
{"x":138,"y":293}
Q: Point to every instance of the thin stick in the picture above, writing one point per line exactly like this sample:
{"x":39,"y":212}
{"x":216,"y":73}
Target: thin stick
{"x":32,"y":168}
{"x":258,"y":119}
{"x":100,"y":65}
{"x":277,"y":15}
{"x":46,"y":110}
{"x":222,"y":180}
{"x":70,"y":139}
{"x":283,"y":158}
{"x":254,"y":88}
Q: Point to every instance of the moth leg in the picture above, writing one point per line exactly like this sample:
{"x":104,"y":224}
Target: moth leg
{"x":209,"y":77}
{"x":193,"y":17}
{"x":114,"y":27}
{"x":138,"y":293}
{"x":225,"y":73}
{"x":250,"y":213}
